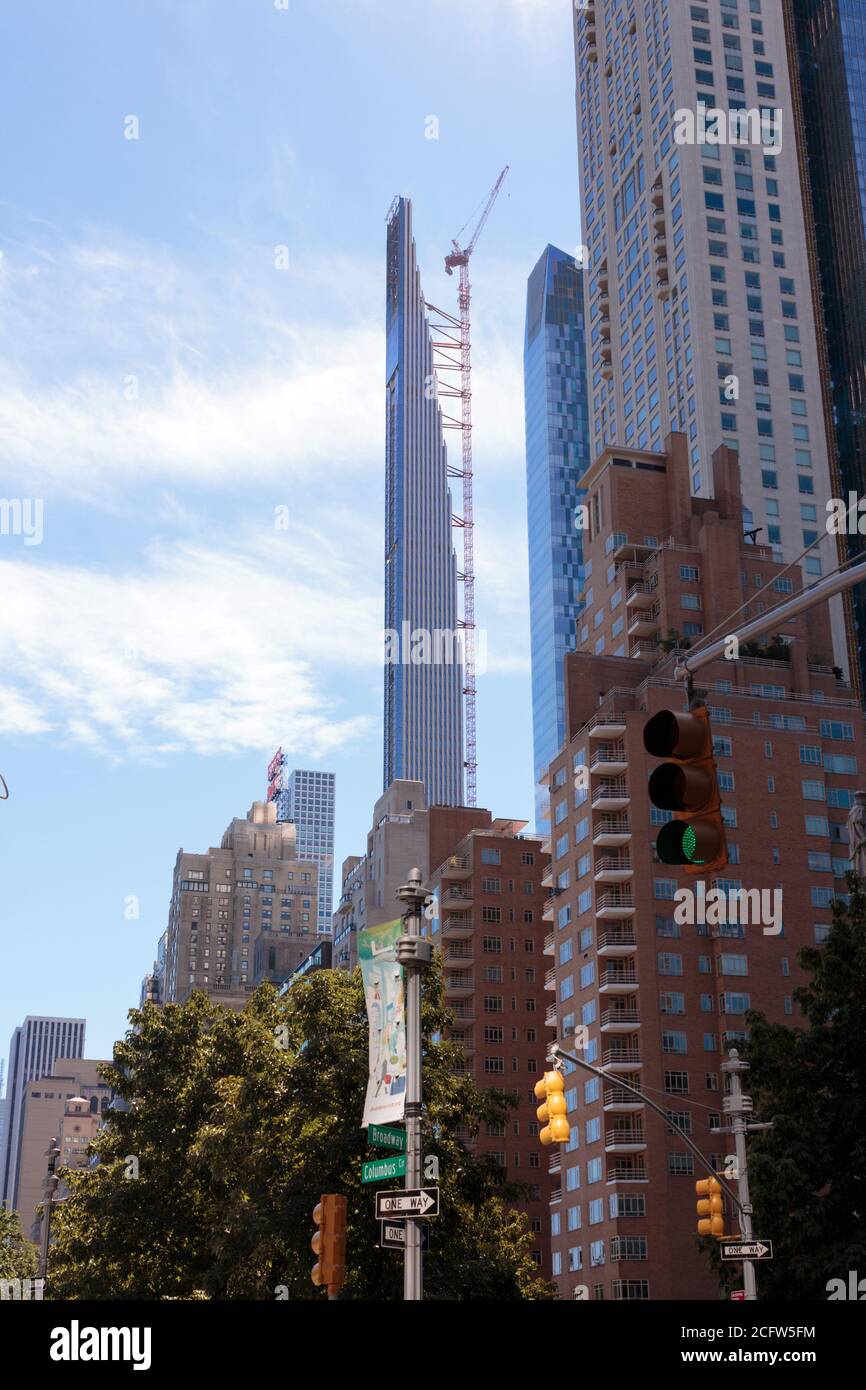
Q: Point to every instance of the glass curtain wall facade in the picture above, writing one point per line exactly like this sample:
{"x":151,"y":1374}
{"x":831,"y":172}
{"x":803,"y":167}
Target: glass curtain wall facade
{"x":423,"y":698}
{"x":557,"y":454}
{"x":831,"y":37}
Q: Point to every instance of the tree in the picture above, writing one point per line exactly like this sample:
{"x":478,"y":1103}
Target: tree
{"x":808,"y":1174}
{"x":19,"y":1258}
{"x":239,"y":1121}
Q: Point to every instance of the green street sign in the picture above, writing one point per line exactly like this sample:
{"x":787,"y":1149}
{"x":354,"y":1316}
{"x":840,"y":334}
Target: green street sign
{"x":381,"y":1168}
{"x":386,"y":1137}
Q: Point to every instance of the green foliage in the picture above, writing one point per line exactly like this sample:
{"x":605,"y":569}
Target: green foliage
{"x":19,"y":1258}
{"x":808,"y":1174}
{"x":239,"y":1122}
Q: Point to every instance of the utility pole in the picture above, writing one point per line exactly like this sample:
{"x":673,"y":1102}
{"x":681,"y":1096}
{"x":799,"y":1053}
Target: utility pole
{"x":738,"y":1106}
{"x":50,"y":1184}
{"x":415,"y":954}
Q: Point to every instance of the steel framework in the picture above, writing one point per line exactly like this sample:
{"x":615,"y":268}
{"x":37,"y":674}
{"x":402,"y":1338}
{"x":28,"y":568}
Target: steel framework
{"x":451,"y":342}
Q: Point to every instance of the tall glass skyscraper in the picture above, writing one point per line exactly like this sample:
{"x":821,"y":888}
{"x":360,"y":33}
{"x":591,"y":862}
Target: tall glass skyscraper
{"x":831,"y":36}
{"x":557,"y":454}
{"x":423,"y":698}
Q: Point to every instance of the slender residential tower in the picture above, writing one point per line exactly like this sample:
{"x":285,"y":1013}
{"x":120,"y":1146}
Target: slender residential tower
{"x":699,"y":300}
{"x":306,"y":798}
{"x":423,"y":696}
{"x":557,"y":454}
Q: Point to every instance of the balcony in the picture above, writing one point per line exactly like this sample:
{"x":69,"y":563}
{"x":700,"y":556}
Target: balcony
{"x":625,"y":1139}
{"x":615,"y":904}
{"x":627,"y":1172}
{"x":613,"y":869}
{"x":606,"y":351}
{"x":547,"y":877}
{"x":458,"y":895}
{"x":463,"y":1013}
{"x":617,"y":982}
{"x":610,"y":725}
{"x":611,"y":795}
{"x":607,"y":371}
{"x":611,"y":830}
{"x":549,"y":946}
{"x":657,"y":196}
{"x":645,"y":622}
{"x":550,"y":1019}
{"x":621,"y":1057}
{"x":457,"y":924}
{"x":620,"y":1020}
{"x":616,"y":1101}
{"x":455,"y":866}
{"x":626,"y":549}
{"x":617,"y":943}
{"x":644,"y":650}
{"x":459,"y":982}
{"x":607,"y":758}
{"x":641,"y":595}
{"x":459,"y":952}
{"x":555,"y":1163}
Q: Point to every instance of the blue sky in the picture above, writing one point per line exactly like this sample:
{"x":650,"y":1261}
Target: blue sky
{"x":164,"y":387}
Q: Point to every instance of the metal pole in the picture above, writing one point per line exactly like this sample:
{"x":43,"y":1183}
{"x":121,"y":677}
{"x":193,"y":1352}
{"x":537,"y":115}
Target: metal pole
{"x":738,"y":1106}
{"x":50,"y":1184}
{"x":414,"y":954}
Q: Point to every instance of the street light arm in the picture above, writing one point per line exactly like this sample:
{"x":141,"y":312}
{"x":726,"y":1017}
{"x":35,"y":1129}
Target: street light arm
{"x":556,"y":1051}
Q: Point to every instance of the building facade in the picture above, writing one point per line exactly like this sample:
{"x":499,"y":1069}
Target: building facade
{"x":67,"y":1104}
{"x":406,"y":833}
{"x":557,"y":455}
{"x":224,"y":899}
{"x":423,"y":699}
{"x":307,"y":799}
{"x":662,"y":995}
{"x":831,"y":40}
{"x":33,"y":1050}
{"x":489,"y":926}
{"x":699,"y":303}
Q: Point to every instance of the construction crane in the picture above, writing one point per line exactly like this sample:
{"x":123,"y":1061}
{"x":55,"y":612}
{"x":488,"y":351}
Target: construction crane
{"x":451,"y":355}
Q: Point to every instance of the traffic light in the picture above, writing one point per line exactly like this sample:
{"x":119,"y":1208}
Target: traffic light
{"x":689,"y":787}
{"x":553,"y":1114}
{"x":329,"y":1242}
{"x":711,"y":1208}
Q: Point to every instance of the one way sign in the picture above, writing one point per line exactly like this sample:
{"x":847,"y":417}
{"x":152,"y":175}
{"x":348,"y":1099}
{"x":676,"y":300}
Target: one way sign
{"x":417,"y":1201}
{"x":747,"y":1249}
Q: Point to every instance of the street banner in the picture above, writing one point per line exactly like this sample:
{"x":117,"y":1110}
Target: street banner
{"x":385,"y":993}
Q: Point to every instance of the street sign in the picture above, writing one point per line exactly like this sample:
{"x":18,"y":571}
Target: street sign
{"x":379,"y":1168}
{"x":394,"y":1235}
{"x":738,"y":1295}
{"x":386,"y":1137}
{"x":414,"y":1202}
{"x":747,"y":1249}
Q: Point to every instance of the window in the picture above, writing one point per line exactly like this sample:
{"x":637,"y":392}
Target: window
{"x":669,"y":964}
{"x":491,"y":856}
{"x":677,"y":1083}
{"x":674,"y":1042}
{"x":680,"y":1165}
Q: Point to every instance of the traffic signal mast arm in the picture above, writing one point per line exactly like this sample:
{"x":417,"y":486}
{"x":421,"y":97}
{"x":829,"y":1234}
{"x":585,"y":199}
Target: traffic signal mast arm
{"x":556,"y":1052}
{"x":825,"y":589}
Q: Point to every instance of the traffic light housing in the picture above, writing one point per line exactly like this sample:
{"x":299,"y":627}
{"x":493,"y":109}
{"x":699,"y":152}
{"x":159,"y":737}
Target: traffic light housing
{"x":329,"y":1242}
{"x":687,"y":785}
{"x":553,"y":1113}
{"x":711,"y":1208}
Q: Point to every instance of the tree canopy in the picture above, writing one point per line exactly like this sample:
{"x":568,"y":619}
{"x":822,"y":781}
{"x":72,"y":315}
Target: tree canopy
{"x":237,"y":1122}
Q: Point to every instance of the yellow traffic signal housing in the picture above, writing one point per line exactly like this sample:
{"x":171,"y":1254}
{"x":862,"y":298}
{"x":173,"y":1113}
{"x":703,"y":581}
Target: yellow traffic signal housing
{"x":689,"y":787}
{"x":329,"y":1242}
{"x":711,"y":1208}
{"x":553,"y":1114}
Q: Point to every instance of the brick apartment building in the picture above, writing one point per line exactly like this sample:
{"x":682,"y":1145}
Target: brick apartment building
{"x":490,"y":929}
{"x":241,"y":913}
{"x":663,"y":1000}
